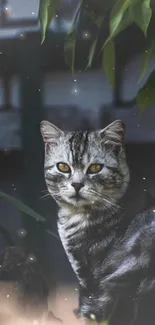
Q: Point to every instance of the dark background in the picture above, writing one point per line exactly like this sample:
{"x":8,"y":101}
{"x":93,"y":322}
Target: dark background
{"x":37,"y":84}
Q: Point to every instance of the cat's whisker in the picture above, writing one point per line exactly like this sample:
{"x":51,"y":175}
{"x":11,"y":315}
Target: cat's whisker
{"x":46,"y":196}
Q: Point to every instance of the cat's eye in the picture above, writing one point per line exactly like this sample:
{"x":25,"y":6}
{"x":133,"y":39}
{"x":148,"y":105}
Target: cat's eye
{"x":64,"y":168}
{"x":94,"y":168}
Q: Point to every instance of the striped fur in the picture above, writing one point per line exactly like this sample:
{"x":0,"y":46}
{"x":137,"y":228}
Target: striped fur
{"x":111,"y":257}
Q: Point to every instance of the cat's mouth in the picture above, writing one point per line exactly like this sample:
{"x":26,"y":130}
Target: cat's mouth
{"x":77,"y":197}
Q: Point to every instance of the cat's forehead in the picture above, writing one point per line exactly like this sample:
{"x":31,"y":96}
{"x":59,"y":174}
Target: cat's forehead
{"x":78,"y":147}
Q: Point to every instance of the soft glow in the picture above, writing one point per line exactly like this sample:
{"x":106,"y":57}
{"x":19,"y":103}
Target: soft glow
{"x":86,"y":35}
{"x":92,"y":316}
{"x":31,"y":258}
{"x":75,"y":91}
{"x":22,"y":232}
{"x":144,"y":178}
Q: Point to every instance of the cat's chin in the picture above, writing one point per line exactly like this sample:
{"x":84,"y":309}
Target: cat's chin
{"x":77,"y":201}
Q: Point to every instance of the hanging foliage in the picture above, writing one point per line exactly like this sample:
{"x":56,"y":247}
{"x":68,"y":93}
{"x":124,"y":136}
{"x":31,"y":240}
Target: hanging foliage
{"x":121,"y":14}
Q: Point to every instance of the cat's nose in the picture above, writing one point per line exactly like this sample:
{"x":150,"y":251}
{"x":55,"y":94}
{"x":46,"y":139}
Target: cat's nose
{"x":77,"y":186}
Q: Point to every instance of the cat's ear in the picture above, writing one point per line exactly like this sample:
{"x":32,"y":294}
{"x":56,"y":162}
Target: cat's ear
{"x":113,"y":136}
{"x":50,"y":132}
{"x":114,"y":132}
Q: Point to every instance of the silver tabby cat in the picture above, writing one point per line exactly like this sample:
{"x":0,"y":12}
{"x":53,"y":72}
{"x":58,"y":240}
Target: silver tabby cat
{"x":87,"y":174}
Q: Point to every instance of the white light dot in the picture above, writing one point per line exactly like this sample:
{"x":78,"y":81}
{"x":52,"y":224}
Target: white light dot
{"x":31,"y":258}
{"x":90,"y":297}
{"x":144,"y":189}
{"x":86,"y":34}
{"x":22,"y":232}
{"x":146,"y":51}
{"x":154,"y":211}
{"x":144,"y":178}
{"x":6,"y":8}
{"x":76,"y":289}
{"x":33,"y":13}
{"x":75,"y":91}
{"x":75,"y":80}
{"x":66,"y":299}
{"x":8,"y":296}
{"x":92,"y":202}
{"x":138,"y":125}
{"x":39,"y":89}
{"x":56,"y":16}
{"x":1,"y":53}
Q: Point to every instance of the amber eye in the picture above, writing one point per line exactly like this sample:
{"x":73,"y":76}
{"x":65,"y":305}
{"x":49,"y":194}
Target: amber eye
{"x":64,"y":168}
{"x":94,"y":168}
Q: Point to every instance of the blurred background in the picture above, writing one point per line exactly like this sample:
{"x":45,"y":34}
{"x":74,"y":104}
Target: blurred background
{"x":36,"y":84}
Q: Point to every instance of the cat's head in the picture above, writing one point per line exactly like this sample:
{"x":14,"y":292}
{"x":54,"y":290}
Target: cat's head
{"x":85,"y":168}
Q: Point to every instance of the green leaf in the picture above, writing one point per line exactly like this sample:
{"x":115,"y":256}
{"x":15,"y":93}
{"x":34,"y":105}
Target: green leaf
{"x":108,"y":60}
{"x":141,"y":12}
{"x":125,"y":23}
{"x":47,"y":10}
{"x":22,"y":207}
{"x":146,"y":95}
{"x":70,"y":43}
{"x":117,"y":14}
{"x":91,"y":53}
{"x":98,"y":22}
{"x":147,"y":58}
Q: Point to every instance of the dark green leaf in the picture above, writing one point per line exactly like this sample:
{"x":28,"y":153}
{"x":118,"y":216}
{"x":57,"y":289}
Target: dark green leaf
{"x":47,"y":10}
{"x":146,"y":95}
{"x":22,"y":207}
{"x":69,"y":49}
{"x":117,"y":14}
{"x":141,"y":13}
{"x":147,"y":58}
{"x":109,"y":61}
{"x":70,"y":43}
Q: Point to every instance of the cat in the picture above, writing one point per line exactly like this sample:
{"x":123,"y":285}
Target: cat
{"x":86,"y":172}
{"x":22,"y":278}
